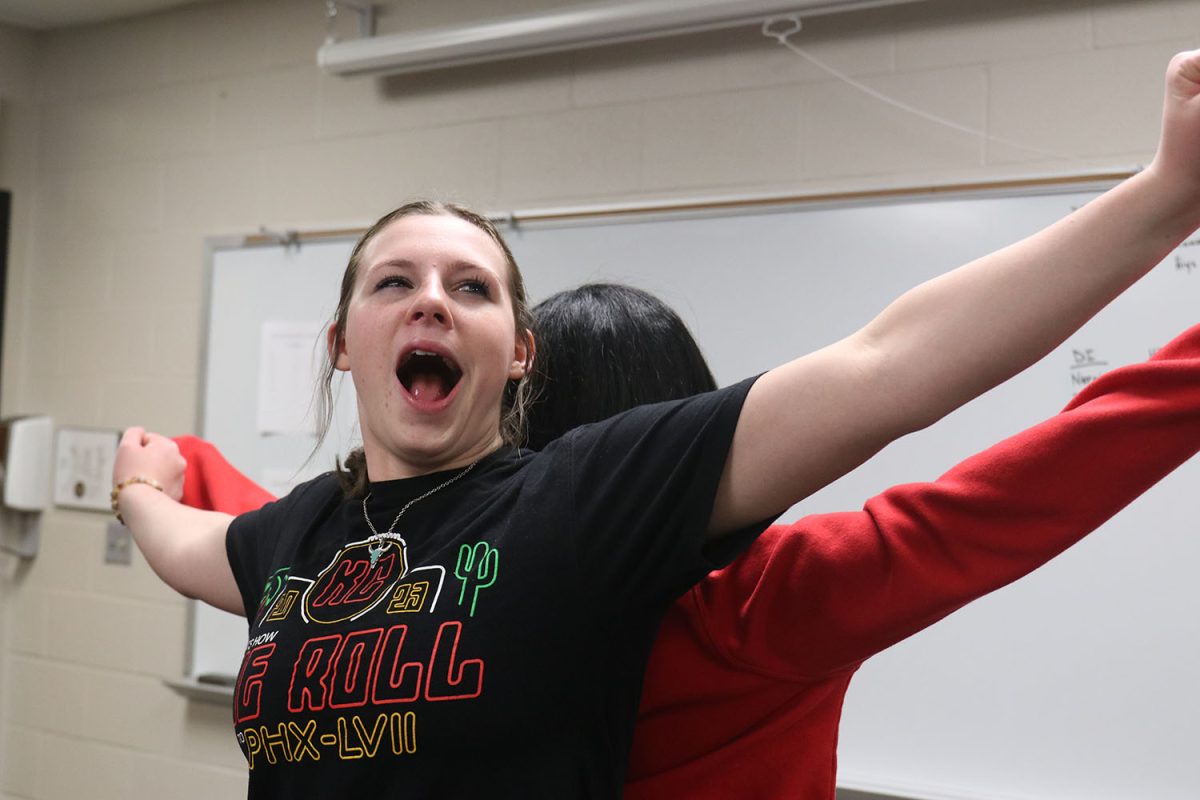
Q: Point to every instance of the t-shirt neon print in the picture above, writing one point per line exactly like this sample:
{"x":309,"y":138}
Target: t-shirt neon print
{"x":499,"y":650}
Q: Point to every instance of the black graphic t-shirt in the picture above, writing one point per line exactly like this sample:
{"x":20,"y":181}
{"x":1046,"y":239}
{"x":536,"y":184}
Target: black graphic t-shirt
{"x":498,"y":650}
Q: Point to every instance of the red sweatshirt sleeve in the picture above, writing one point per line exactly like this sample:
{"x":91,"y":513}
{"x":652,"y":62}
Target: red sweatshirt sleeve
{"x":822,"y":595}
{"x":213,"y":484}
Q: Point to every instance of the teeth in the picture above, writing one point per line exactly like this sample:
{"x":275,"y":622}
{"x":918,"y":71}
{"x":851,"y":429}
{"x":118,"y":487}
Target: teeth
{"x":430,"y":354}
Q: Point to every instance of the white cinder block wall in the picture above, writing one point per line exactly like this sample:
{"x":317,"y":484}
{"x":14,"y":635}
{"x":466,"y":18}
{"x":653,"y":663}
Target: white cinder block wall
{"x":126,"y":144}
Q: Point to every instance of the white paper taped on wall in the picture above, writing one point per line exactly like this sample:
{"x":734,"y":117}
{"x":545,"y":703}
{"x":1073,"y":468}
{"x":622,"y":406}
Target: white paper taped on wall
{"x":290,"y":359}
{"x":83,"y":468}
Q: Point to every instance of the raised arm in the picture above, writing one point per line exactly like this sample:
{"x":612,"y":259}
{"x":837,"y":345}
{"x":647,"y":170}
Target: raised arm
{"x":810,"y":421}
{"x":184,"y":546}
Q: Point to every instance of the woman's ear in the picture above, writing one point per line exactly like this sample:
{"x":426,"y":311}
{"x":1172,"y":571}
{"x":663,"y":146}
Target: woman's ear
{"x":335,"y":347}
{"x":523,"y":355}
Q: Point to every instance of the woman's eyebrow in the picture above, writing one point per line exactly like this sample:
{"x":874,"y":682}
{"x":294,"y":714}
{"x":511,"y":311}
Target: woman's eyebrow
{"x":390,"y":262}
{"x":463,"y":265}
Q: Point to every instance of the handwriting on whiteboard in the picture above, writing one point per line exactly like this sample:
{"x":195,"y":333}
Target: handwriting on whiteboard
{"x":1186,"y":262}
{"x":1086,"y":366}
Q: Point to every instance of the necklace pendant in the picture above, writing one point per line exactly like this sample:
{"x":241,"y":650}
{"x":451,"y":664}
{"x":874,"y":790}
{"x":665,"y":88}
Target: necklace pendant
{"x":376,"y":550}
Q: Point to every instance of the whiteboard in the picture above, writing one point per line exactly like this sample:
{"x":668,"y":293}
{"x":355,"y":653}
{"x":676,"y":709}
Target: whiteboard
{"x":1077,"y":682}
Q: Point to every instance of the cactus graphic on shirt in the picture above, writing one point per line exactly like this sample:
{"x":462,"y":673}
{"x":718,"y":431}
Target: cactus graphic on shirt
{"x":274,"y":586}
{"x":477,"y":567}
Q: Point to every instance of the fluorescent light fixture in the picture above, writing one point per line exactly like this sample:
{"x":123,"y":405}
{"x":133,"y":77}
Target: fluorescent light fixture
{"x":569,"y":29}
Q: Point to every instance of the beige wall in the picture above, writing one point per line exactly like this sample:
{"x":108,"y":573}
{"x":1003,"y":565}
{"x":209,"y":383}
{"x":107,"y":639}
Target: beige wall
{"x":16,"y":175}
{"x":128,"y":143}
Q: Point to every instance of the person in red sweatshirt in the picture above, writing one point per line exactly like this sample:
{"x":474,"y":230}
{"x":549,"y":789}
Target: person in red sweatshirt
{"x":745,"y":684}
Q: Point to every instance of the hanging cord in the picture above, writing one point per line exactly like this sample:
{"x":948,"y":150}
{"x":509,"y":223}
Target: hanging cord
{"x":781,"y":29}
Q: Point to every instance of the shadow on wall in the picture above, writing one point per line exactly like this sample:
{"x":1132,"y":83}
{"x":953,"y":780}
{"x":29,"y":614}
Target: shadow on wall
{"x":853,"y":794}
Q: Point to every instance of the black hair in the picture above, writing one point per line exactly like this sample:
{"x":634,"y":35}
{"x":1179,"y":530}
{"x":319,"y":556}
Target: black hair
{"x":604,"y":348}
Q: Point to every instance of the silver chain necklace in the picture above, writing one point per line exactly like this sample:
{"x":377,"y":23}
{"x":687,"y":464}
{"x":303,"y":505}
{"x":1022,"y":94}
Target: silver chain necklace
{"x":377,"y":542}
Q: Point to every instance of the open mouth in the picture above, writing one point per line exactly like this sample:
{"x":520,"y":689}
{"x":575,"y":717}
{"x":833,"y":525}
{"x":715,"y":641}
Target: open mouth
{"x":428,"y":376}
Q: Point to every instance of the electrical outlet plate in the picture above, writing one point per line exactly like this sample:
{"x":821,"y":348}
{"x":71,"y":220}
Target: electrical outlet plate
{"x":118,"y":544}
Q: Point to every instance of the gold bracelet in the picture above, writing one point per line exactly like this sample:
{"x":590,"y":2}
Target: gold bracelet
{"x":116,"y":491}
